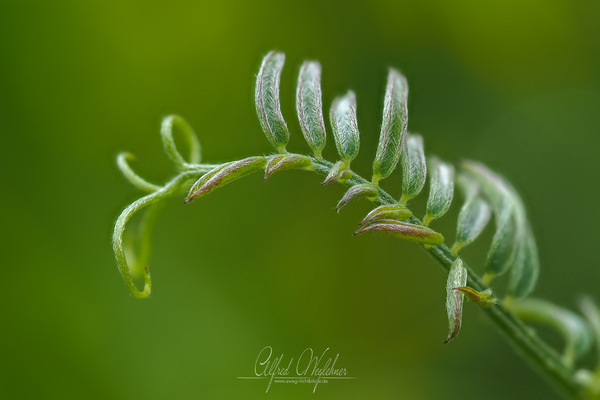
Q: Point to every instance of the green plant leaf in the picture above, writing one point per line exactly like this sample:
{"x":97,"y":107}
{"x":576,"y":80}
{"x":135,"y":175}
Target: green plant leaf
{"x":573,"y":328}
{"x":441,"y":189}
{"x":404,"y":230}
{"x":268,"y":108}
{"x":474,"y":214}
{"x":525,"y":271}
{"x":287,"y":161}
{"x":387,"y":211}
{"x":472,"y":219}
{"x":457,"y":277}
{"x":345,"y":126}
{"x":310,"y":107}
{"x":224,"y":174}
{"x":393,"y":126}
{"x":501,"y":255}
{"x":414,"y":169}
{"x":357,"y":191}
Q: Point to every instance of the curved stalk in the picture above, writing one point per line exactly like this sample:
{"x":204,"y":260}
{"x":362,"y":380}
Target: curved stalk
{"x":548,"y":363}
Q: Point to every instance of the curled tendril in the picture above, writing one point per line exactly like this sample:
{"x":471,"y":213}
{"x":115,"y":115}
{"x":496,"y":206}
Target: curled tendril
{"x":166,"y":132}
{"x":188,"y":171}
{"x":124,"y":218}
{"x":131,"y":176}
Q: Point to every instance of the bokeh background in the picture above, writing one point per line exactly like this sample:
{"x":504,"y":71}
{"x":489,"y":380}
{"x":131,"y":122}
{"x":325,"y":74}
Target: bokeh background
{"x":513,"y":84}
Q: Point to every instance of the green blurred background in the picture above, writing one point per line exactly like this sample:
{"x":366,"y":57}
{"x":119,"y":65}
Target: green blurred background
{"x":514,"y":85}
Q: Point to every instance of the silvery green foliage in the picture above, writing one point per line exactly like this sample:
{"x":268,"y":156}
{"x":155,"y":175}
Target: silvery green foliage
{"x":287,"y":161}
{"x":441,"y":189}
{"x":404,"y":230}
{"x":414,"y":168}
{"x":393,"y":126}
{"x":474,"y":214}
{"x":268,"y":107}
{"x":309,"y":106}
{"x":345,"y":127}
{"x":526,"y":267}
{"x":457,"y":278}
{"x":513,"y":248}
{"x":393,"y":211}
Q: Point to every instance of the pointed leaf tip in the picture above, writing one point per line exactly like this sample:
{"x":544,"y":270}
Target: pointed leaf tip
{"x":393,"y":126}
{"x":309,"y":106}
{"x":485,"y":298}
{"x":268,"y":108}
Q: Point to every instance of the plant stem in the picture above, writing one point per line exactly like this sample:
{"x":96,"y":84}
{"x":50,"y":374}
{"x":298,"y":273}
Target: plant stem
{"x":548,"y":363}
